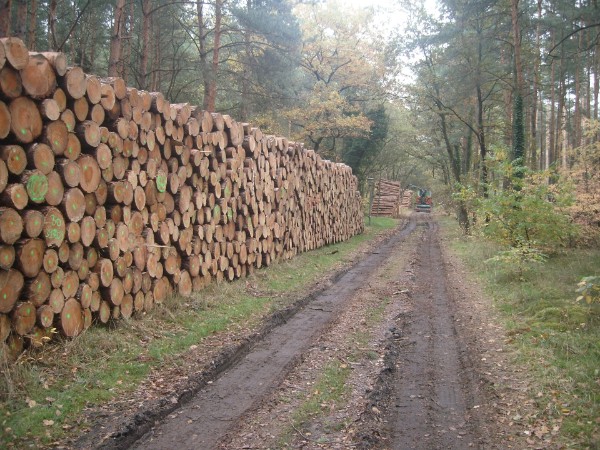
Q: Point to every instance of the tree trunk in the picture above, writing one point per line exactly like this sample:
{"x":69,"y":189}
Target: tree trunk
{"x":518,"y":120}
{"x":21,"y":20}
{"x":31,"y":33}
{"x":52,"y":24}
{"x":5,"y":14}
{"x":115,"y":62}
{"x":146,"y":23}
{"x":210,"y":83}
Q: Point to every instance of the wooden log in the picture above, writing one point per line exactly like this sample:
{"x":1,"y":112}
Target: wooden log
{"x":88,"y":231}
{"x":36,"y":185}
{"x":73,"y":148}
{"x":93,"y":89}
{"x":58,"y":61}
{"x":55,"y":192}
{"x":45,"y":316}
{"x":33,"y":221}
{"x":15,"y":51}
{"x":30,"y":256}
{"x":49,"y":109}
{"x":73,"y":204}
{"x":7,"y":256}
{"x":56,"y":301}
{"x":14,"y":196}
{"x":60,"y":98}
{"x":71,"y":318}
{"x":14,"y":157}
{"x":89,"y":173}
{"x":73,"y":82}
{"x":38,"y":289}
{"x":50,"y":263}
{"x":104,"y":268}
{"x":11,"y":284}
{"x":11,"y":226}
{"x":10,"y":83}
{"x":70,"y":283}
{"x":89,"y":131}
{"x":80,"y":108}
{"x":23,"y":318}
{"x":40,"y":157}
{"x":4,"y":120}
{"x":118,"y":85}
{"x":26,"y":121}
{"x":108,"y":97}
{"x":38,"y":77}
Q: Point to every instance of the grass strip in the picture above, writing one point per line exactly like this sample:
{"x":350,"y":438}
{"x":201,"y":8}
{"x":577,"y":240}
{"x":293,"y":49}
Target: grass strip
{"x":43,"y":394}
{"x":558,"y":340}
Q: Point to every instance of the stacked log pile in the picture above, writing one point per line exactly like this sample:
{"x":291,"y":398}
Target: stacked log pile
{"x":406,"y":201}
{"x":386,"y":200}
{"x":111,"y":198}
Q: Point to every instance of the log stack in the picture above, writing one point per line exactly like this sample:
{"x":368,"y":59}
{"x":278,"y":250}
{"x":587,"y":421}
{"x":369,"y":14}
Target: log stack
{"x":387,"y":199}
{"x":112,"y":197}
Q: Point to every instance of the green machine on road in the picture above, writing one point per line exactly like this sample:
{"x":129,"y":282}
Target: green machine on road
{"x":423,"y":202}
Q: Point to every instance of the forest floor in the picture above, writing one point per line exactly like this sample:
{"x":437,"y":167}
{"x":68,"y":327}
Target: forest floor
{"x":400,"y":351}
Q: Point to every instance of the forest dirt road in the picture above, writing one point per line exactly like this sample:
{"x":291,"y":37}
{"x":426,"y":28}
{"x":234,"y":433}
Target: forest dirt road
{"x":388,"y":356}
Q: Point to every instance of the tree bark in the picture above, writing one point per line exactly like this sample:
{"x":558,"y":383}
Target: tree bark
{"x":146,"y":24}
{"x":52,"y":24}
{"x":21,"y":20}
{"x":5,"y":14}
{"x":115,"y":62}
{"x":31,"y":32}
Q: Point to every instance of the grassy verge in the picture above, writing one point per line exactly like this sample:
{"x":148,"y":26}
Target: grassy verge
{"x":557,"y":338}
{"x":43,"y":394}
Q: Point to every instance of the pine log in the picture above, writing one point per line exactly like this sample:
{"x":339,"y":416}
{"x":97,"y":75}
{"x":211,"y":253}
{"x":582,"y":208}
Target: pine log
{"x":36,"y":185}
{"x":38,"y":77}
{"x":89,"y":173}
{"x":15,"y":158}
{"x":4,"y":120}
{"x":11,"y":226}
{"x":33,"y":221}
{"x":16,"y":52}
{"x":23,"y":318}
{"x":58,"y":61}
{"x":55,"y":189}
{"x":11,"y":284}
{"x":40,"y":157}
{"x":7,"y":256}
{"x":10,"y":83}
{"x":38,"y":289}
{"x":71,"y":318}
{"x":30,"y":256}
{"x":26,"y":121}
{"x":73,"y":204}
{"x":14,"y":196}
{"x":74,"y":82}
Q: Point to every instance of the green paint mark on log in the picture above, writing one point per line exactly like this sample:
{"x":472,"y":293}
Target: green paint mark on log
{"x":161,"y":182}
{"x":37,"y":187}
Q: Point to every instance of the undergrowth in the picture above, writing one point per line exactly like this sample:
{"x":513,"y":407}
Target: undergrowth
{"x":558,"y":338}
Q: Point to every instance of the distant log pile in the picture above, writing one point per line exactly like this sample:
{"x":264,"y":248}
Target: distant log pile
{"x":387,"y":199}
{"x":111,"y":198}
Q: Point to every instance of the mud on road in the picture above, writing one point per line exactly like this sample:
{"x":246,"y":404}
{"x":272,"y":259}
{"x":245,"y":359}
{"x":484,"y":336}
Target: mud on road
{"x":411,"y":377}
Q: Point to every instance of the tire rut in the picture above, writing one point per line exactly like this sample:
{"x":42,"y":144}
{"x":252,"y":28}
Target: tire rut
{"x":426,"y":390}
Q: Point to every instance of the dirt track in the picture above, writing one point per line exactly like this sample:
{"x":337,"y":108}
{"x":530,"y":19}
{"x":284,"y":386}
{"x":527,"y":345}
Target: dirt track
{"x":411,"y":382}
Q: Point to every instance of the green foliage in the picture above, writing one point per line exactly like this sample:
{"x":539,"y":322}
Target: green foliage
{"x":361,"y":153}
{"x":589,"y":290}
{"x":527,"y":212}
{"x":519,"y":258}
{"x":555,"y":339}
